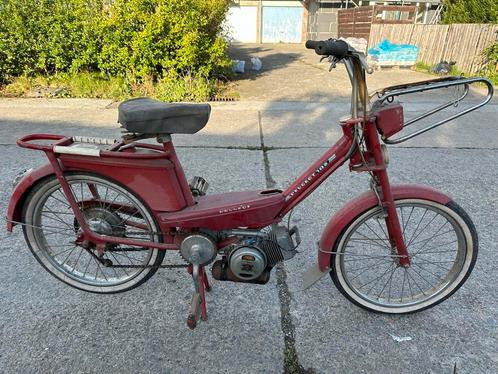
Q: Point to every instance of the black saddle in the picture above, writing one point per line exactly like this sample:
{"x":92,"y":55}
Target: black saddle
{"x":148,"y":116}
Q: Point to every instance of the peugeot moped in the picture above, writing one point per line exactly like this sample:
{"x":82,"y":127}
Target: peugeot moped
{"x":101,"y":214}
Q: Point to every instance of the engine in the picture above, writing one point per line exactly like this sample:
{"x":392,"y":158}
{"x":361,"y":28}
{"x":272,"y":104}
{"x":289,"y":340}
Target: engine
{"x":252,"y":260}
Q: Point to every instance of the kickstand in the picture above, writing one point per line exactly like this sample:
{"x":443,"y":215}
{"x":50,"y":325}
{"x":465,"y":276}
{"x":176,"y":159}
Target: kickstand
{"x":198,"y":307}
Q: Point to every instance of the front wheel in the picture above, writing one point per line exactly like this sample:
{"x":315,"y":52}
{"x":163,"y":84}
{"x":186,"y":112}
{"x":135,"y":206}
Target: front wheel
{"x":442,"y":245}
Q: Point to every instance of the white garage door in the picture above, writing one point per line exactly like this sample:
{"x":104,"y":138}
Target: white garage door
{"x":241,"y":23}
{"x":282,"y":24}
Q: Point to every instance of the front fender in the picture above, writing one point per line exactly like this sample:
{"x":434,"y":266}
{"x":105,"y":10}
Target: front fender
{"x":21,"y":190}
{"x":361,"y":203}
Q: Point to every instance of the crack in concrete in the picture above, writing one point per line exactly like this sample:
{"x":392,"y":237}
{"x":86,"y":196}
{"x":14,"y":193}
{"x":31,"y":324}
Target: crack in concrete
{"x":277,"y":148}
{"x":291,"y":358}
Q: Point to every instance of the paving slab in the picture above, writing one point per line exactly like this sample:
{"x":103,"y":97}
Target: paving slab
{"x":47,"y":326}
{"x":319,"y":127}
{"x":335,"y":336}
{"x":90,"y":117}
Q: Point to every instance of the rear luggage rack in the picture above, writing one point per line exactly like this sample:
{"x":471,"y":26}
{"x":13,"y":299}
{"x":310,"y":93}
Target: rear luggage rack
{"x":91,"y":147}
{"x":390,"y":93}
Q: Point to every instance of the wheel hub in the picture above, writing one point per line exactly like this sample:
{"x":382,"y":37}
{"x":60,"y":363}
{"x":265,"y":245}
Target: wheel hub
{"x":103,"y":221}
{"x":100,"y":226}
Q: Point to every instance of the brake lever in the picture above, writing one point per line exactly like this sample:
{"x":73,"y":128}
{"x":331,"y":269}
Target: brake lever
{"x":332,"y":59}
{"x":333,"y":62}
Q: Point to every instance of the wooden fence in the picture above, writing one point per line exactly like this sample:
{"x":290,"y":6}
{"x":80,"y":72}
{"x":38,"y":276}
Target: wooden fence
{"x":357,"y":22}
{"x":462,"y":43}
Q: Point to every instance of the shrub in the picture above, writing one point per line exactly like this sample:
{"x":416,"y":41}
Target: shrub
{"x":470,"y":11}
{"x":46,"y":36}
{"x":491,"y":55}
{"x":491,"y":58}
{"x":136,"y":40}
{"x":151,"y":37}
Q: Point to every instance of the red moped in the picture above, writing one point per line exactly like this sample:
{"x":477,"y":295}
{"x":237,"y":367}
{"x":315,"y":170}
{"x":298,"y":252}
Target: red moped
{"x":101,"y":214}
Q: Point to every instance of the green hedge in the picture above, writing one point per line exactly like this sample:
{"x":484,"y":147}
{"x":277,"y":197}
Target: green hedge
{"x":470,"y":11}
{"x":136,"y":39}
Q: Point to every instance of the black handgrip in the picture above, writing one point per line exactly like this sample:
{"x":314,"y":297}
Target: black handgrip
{"x":337,"y":48}
{"x":311,"y":44}
{"x":332,"y":47}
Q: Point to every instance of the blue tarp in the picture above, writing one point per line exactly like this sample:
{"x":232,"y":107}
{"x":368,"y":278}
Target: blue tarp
{"x":387,"y":51}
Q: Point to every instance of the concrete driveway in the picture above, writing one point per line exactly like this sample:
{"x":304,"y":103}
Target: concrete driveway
{"x":46,"y":326}
{"x":290,"y":72}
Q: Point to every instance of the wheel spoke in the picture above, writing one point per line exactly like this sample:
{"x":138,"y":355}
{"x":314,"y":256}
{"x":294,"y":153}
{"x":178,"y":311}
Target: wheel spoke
{"x":365,"y":268}
{"x":119,"y":263}
{"x":63,"y":251}
{"x":416,"y":283}
{"x":57,"y":218}
{"x":426,"y":241}
{"x":69,"y":255}
{"x":79,"y":256}
{"x":376,"y":220}
{"x":376,"y":279}
{"x":424,"y":269}
{"x":403,"y":285}
{"x":388,"y":247}
{"x":435,"y":263}
{"x":408,"y":220}
{"x":427,"y":250}
{"x":423,"y":278}
{"x":388,"y":281}
{"x":60,"y":201}
{"x":421,"y":231}
{"x":418,"y":225}
{"x":409,"y":283}
{"x":375,"y":241}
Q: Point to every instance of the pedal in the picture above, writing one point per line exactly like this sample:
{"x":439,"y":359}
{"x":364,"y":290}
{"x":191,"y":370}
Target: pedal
{"x":198,"y":186}
{"x":194,"y":311}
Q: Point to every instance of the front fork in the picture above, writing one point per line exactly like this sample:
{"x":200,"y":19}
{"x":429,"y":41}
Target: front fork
{"x":382,"y":188}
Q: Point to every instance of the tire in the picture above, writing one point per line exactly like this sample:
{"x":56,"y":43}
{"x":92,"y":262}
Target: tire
{"x":51,"y":230}
{"x":369,"y":276}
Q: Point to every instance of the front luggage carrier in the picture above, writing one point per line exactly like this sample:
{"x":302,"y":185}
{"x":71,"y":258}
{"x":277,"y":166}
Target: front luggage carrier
{"x":390,"y":93}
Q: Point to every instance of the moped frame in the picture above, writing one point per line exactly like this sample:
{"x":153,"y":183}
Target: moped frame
{"x":301,"y":188}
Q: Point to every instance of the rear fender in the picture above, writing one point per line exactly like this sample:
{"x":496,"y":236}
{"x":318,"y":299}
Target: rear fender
{"x":21,"y":190}
{"x":361,"y":203}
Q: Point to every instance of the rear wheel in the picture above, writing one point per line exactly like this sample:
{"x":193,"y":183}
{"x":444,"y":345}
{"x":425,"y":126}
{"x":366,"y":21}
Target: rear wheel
{"x":442,"y":244}
{"x":108,"y":208}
